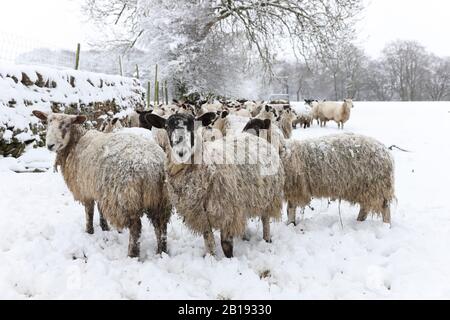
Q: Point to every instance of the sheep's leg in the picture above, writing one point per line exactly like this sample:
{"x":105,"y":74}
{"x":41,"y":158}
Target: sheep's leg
{"x":227,"y":244}
{"x":386,"y":214}
{"x":89,"y":209}
{"x":160,"y":225}
{"x":247,"y":235}
{"x":103,"y":223}
{"x":266,"y":229}
{"x":135,"y":234}
{"x":210,"y":244}
{"x":291,"y":214}
{"x":362,"y":215}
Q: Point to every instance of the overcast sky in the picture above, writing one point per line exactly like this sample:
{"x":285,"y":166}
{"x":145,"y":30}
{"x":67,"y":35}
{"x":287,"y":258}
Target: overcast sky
{"x":60,"y":24}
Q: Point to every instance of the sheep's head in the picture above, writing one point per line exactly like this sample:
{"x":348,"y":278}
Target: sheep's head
{"x":181,"y":130}
{"x":58,"y":128}
{"x":143,"y":122}
{"x":255,"y":126}
{"x":349,"y":103}
{"x":110,"y":124}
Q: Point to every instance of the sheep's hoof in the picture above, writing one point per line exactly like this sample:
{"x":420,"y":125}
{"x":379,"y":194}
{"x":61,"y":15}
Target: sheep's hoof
{"x":162,"y":249}
{"x":227,"y":248}
{"x":105,"y":228}
{"x":90,"y":230}
{"x":134,"y":253}
{"x":268,"y":241}
{"x":292,"y":222}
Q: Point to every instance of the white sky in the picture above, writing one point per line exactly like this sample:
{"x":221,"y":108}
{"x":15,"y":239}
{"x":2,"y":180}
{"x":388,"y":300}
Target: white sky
{"x":60,"y":24}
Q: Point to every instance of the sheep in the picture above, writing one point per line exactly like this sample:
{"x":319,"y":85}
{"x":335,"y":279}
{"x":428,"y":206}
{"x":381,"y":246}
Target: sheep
{"x":221,"y":184}
{"x":267,"y":130}
{"x":338,"y":112}
{"x":159,"y":135}
{"x":252,"y":107}
{"x":132,"y":120}
{"x":315,"y":111}
{"x":256,"y":110}
{"x":229,"y":124}
{"x":348,"y":167}
{"x":123,"y":173}
{"x":109,"y":125}
{"x":305,"y":120}
{"x":286,"y":120}
{"x":267,"y":112}
{"x":209,"y":107}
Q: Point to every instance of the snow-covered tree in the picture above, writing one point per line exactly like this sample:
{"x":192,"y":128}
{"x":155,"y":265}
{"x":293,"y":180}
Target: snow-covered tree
{"x":202,"y":43}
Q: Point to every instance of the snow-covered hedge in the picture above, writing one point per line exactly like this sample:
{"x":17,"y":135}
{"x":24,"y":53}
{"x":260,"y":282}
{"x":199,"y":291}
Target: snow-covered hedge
{"x":25,"y":88}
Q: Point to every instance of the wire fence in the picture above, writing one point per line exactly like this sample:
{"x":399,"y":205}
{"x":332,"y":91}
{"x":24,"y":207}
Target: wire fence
{"x":15,"y":49}
{"x":20,"y":50}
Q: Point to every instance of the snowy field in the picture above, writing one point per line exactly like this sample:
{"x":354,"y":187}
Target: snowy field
{"x":44,"y":252}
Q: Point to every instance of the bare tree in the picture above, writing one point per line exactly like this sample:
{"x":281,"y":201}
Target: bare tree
{"x":438,"y":80}
{"x":178,"y":33}
{"x":378,"y":84}
{"x":406,"y":62}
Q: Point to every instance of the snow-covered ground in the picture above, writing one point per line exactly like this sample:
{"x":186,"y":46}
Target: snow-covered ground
{"x":44,"y":252}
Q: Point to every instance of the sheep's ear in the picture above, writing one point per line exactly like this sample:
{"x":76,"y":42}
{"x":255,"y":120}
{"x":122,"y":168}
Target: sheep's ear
{"x":250,"y":125}
{"x":224,"y":114}
{"x":267,"y":108}
{"x":41,"y":115}
{"x":79,"y":120}
{"x":156,"y":121}
{"x":207,"y":118}
{"x":114,"y":121}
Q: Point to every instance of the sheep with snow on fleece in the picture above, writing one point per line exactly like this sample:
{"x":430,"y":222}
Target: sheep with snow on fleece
{"x":335,"y":111}
{"x":221,"y":184}
{"x":123,"y":173}
{"x":348,"y":167}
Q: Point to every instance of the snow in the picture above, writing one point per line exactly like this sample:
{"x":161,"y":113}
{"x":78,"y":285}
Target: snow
{"x":45,"y":253}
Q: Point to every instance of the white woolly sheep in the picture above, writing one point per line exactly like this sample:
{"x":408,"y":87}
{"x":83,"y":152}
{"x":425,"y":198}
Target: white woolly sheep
{"x":221,"y":184}
{"x":339,"y":112}
{"x":123,"y":173}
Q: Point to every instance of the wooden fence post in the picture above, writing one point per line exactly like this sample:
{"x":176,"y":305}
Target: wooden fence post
{"x":77,"y":57}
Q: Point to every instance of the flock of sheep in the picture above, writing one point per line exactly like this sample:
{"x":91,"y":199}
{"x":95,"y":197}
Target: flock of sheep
{"x":218,"y":165}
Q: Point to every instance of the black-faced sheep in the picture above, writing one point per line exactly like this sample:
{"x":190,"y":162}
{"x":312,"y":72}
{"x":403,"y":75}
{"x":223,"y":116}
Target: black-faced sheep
{"x":122,"y":172}
{"x":348,"y":167}
{"x":221,"y":184}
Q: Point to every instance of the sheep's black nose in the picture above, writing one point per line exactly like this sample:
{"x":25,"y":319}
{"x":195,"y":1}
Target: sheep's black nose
{"x":51,"y":147}
{"x":181,"y":154}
